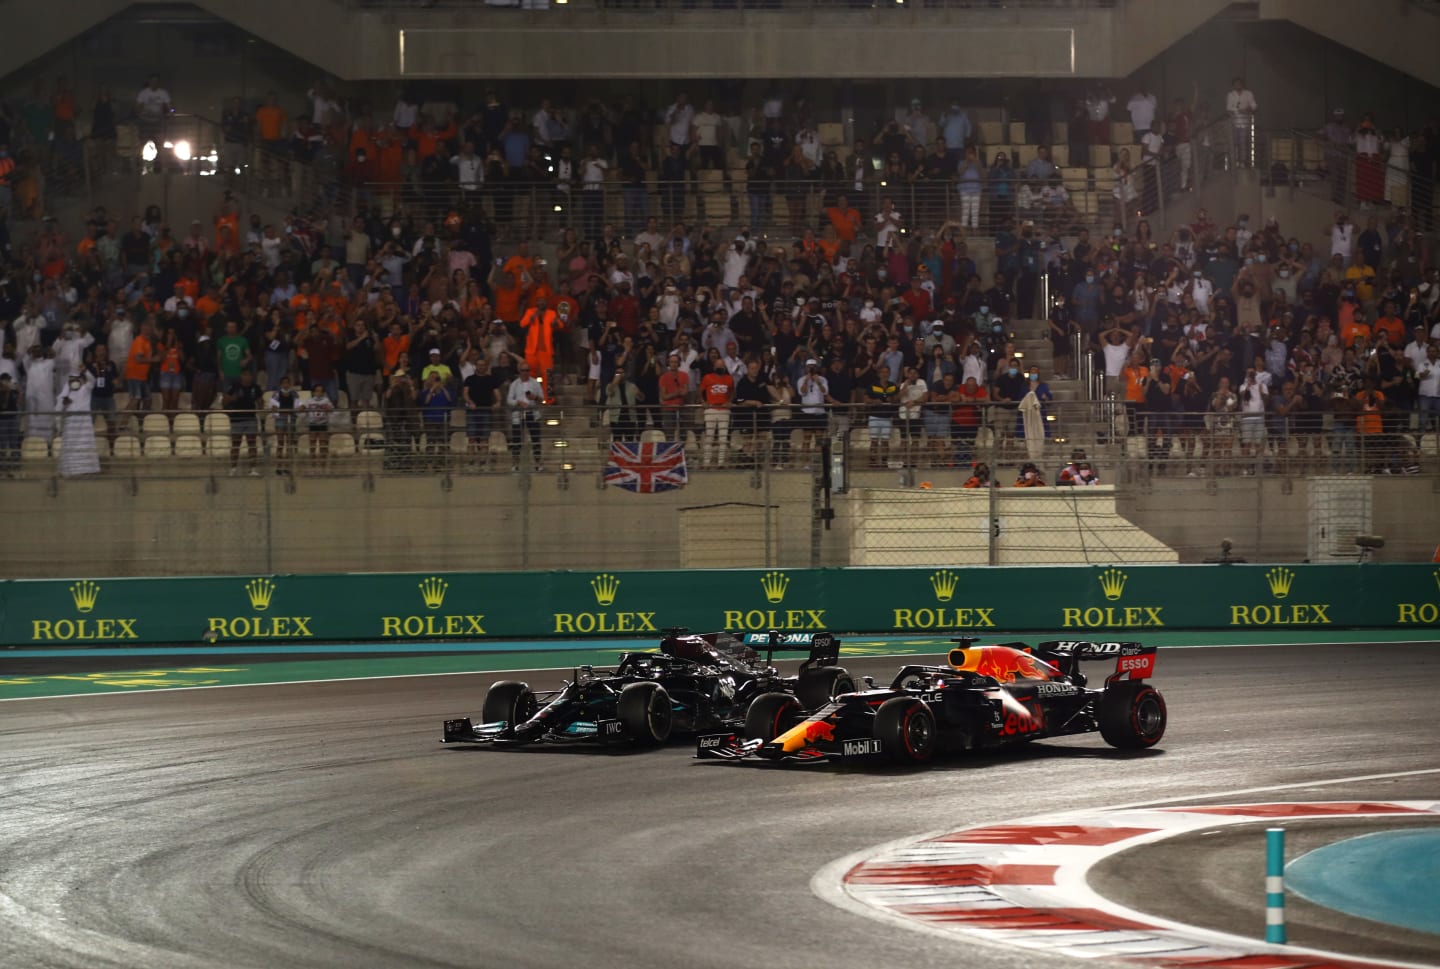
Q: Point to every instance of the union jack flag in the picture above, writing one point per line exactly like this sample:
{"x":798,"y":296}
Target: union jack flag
{"x":647,"y":468}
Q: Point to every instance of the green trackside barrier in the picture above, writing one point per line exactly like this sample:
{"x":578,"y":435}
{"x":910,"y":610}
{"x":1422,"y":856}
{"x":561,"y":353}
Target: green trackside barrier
{"x":1113,"y":601}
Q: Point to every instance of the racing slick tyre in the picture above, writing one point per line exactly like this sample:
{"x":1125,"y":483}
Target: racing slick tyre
{"x":510,"y":701}
{"x":818,"y":687}
{"x":905,"y":728}
{"x":644,"y":713}
{"x":770,"y":715}
{"x":1132,"y":716}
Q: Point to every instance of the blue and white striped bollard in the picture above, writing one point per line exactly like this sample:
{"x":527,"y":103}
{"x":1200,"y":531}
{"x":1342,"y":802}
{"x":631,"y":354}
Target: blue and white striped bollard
{"x":1275,"y":885}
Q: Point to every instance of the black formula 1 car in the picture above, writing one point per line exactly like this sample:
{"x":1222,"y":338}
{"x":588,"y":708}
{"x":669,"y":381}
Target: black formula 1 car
{"x":693,"y":683}
{"x":988,"y":696}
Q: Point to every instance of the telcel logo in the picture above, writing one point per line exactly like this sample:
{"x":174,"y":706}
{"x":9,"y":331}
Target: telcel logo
{"x":260,"y":593}
{"x":1281,"y":580}
{"x":1112,"y":586}
{"x":606,"y":588}
{"x":432,"y":624}
{"x":85,"y":594}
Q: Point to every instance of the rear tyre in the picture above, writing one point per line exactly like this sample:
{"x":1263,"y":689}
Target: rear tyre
{"x":770,"y":715}
{"x":510,"y":701}
{"x":644,"y":713}
{"x":1132,"y":716}
{"x":819,"y":686}
{"x":905,"y":728}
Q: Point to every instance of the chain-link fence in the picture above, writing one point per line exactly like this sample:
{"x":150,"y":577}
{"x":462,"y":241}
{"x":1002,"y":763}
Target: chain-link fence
{"x":221,"y":493}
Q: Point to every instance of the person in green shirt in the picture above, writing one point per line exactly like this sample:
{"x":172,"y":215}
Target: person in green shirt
{"x":234,"y":352}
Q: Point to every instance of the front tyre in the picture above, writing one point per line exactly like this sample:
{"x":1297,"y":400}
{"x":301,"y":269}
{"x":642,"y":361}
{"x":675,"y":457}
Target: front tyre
{"x":509,"y":701}
{"x":645,"y":713}
{"x":818,"y":687}
{"x":770,"y":715}
{"x":1132,"y":716}
{"x":905,"y":727}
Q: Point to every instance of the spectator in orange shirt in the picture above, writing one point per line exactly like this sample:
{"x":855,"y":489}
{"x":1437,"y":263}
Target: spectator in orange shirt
{"x":845,"y":219}
{"x":270,"y":122}
{"x":541,"y":324}
{"x":395,"y":345}
{"x":137,"y":366}
{"x":303,"y":304}
{"x":1352,"y":324}
{"x":1030,"y":476}
{"x":716,"y":390}
{"x":1391,"y":325}
{"x":509,"y":294}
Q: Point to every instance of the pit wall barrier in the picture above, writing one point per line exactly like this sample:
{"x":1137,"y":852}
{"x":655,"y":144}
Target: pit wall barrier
{"x":539,"y":605}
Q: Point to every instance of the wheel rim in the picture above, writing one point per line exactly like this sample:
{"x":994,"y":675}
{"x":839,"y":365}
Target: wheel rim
{"x":1148,"y":717}
{"x":917,"y":732}
{"x":659,"y":716}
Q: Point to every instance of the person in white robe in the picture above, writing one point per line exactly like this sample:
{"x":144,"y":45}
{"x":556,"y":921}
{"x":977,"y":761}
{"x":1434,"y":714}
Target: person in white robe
{"x":78,"y":454}
{"x":40,"y":394}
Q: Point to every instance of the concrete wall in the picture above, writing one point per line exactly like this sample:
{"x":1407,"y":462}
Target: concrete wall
{"x":155,"y":526}
{"x":114,"y":526}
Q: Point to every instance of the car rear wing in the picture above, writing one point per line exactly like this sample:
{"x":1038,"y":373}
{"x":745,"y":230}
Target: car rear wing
{"x":824,"y":647}
{"x":1087,"y":650}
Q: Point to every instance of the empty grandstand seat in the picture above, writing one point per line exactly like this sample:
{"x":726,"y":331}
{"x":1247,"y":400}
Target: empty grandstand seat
{"x":34,"y":449}
{"x":127,"y":447}
{"x":217,"y":422}
{"x":155,"y":425}
{"x":188,"y":446}
{"x":342,"y":444}
{"x":158,"y":447}
{"x":187,"y":424}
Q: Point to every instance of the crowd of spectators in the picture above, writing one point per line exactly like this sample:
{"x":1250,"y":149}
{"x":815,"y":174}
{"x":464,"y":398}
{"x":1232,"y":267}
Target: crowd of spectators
{"x":866,"y":318}
{"x":1269,"y":350}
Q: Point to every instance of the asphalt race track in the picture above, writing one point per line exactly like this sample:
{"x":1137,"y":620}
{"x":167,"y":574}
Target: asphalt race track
{"x":321,"y":824}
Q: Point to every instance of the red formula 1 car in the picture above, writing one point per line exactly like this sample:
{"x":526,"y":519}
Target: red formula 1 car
{"x":988,"y":696}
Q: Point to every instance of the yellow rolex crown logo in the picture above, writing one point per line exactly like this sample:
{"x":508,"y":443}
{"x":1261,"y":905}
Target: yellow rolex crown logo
{"x":1280,"y":579}
{"x":944,"y":583}
{"x":259,"y":591}
{"x":433,"y":590}
{"x":775,"y":584}
{"x":605,"y":586}
{"x":84,"y":593}
{"x":1112,"y":583}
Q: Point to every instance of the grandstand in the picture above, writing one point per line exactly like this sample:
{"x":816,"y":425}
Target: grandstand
{"x":1121,"y":226}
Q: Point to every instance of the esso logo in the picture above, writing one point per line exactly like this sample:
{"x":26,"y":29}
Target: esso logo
{"x":1136,"y":666}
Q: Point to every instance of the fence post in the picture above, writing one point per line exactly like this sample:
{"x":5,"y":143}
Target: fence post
{"x":1275,"y":885}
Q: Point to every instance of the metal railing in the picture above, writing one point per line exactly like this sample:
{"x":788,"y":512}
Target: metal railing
{"x":780,"y":207}
{"x":576,"y":438}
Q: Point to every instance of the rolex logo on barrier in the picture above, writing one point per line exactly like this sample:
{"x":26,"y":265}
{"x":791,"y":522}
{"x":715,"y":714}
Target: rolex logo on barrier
{"x":774,"y":584}
{"x":260,"y":595}
{"x":1112,"y":585}
{"x":432,"y":625}
{"x":433,"y":590}
{"x":605,"y":587}
{"x":85,"y":595}
{"x":1281,"y":581}
{"x":944,"y":583}
{"x":1420,"y":613}
{"x":260,"y":591}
